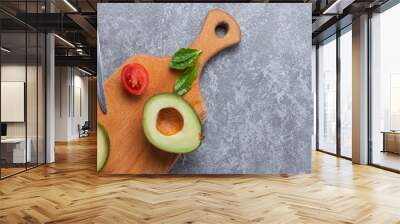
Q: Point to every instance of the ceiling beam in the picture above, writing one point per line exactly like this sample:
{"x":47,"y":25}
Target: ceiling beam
{"x":81,"y":61}
{"x":337,"y":7}
{"x":86,"y":27}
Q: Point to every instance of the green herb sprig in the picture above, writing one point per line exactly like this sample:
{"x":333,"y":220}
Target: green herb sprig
{"x":184,"y":82}
{"x":185,"y":59}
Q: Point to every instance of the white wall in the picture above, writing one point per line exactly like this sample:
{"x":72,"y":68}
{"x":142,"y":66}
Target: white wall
{"x":61,"y":103}
{"x":71,"y":94}
{"x":34,"y":125}
{"x":12,"y":73}
{"x":80,"y":100}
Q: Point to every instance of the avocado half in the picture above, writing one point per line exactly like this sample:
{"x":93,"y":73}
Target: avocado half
{"x":103,"y":147}
{"x":171,"y":124}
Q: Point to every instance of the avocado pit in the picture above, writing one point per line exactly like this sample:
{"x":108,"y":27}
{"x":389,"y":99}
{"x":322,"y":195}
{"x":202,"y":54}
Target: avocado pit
{"x":169,"y":121}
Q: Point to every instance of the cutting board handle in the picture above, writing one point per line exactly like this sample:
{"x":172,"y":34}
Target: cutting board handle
{"x":219,"y":31}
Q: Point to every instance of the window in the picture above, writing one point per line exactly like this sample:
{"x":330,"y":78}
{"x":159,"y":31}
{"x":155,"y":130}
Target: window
{"x":334,"y":106}
{"x":327,"y":96}
{"x":22,"y":101}
{"x":346,"y":95}
{"x":394,"y":102}
{"x":385,"y":89}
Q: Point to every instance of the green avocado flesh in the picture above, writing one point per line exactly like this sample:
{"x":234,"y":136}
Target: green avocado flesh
{"x":184,"y":133}
{"x":102,"y":147}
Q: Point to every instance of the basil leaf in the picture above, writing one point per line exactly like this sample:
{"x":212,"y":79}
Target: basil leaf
{"x":184,"y":82}
{"x":184,"y":58}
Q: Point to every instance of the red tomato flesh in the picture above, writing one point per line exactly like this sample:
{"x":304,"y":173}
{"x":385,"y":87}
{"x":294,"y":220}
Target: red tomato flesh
{"x":134,"y":78}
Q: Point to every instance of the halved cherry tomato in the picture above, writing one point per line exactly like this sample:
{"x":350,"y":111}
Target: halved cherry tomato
{"x":134,"y":78}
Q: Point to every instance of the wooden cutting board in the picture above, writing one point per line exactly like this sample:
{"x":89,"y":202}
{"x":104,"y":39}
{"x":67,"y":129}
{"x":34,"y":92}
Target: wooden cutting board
{"x":130,"y":152}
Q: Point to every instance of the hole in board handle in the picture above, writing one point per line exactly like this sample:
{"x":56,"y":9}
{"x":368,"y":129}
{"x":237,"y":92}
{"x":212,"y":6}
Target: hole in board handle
{"x":221,"y":29}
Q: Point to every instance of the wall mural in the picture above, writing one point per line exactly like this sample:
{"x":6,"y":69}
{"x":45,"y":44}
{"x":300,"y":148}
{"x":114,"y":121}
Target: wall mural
{"x":204,"y":88}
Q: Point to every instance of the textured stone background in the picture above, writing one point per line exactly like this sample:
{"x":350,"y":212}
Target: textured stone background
{"x":258,"y":94}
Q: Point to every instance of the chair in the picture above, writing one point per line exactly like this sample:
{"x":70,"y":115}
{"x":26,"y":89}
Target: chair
{"x":84,"y":130}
